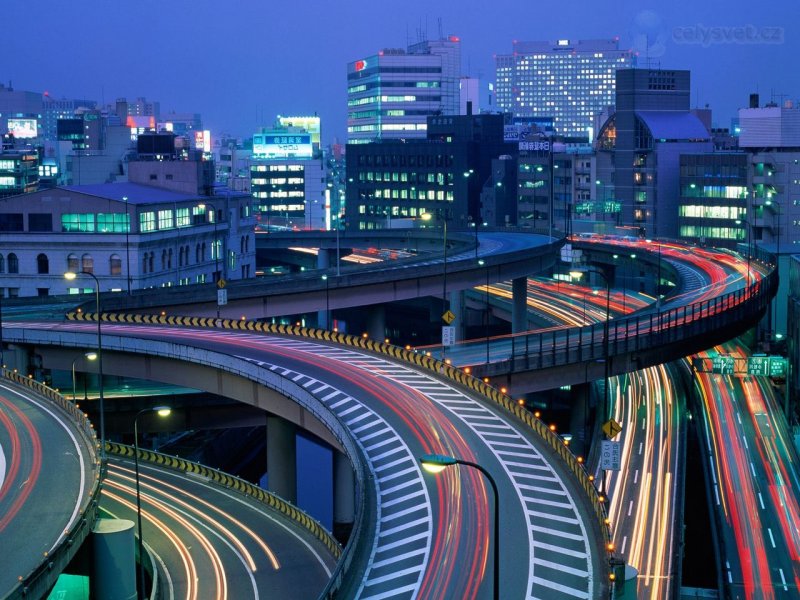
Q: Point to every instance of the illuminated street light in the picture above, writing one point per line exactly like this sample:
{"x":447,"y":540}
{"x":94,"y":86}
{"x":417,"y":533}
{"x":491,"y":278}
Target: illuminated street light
{"x":70,"y":276}
{"x":436,"y":463}
{"x":87,"y":356}
{"x":161,"y":411}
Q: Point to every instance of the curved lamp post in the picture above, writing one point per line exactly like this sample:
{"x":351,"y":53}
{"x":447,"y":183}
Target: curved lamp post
{"x":162,"y":411}
{"x":69,"y":276}
{"x":87,"y":356}
{"x":436,"y":463}
{"x":606,"y":400}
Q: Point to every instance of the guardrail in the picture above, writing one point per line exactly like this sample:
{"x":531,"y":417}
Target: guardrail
{"x":635,"y":333}
{"x":433,"y":365}
{"x":40,"y":580}
{"x":235,"y":484}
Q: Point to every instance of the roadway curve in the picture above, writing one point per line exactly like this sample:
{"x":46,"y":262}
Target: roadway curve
{"x":432,"y":536}
{"x":43,"y":458}
{"x":215,"y":543}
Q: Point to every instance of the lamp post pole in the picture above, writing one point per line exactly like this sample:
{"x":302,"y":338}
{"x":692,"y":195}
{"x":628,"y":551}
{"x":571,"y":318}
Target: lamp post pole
{"x":749,"y":229}
{"x":88,"y":356}
{"x":215,"y":246}
{"x":434,"y":463}
{"x":162,"y":411}
{"x":327,"y":303}
{"x":338,"y":251}
{"x":127,"y":244}
{"x":482,"y":263}
{"x":70,"y":276}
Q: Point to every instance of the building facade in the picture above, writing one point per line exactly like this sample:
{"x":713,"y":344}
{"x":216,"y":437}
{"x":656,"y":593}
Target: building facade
{"x":391,"y":94}
{"x":157,"y":231}
{"x":569,"y":80}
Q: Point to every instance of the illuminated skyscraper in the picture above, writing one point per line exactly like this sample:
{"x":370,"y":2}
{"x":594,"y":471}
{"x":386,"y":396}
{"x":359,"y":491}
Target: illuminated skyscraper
{"x":391,"y":94}
{"x":568,"y":80}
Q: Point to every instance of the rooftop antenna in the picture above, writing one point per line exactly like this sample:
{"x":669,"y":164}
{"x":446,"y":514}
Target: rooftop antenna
{"x":441,"y":32}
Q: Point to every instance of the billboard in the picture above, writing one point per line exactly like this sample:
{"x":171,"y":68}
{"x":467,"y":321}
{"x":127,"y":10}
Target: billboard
{"x":202,"y":140}
{"x":290,"y":145}
{"x":23,"y":128}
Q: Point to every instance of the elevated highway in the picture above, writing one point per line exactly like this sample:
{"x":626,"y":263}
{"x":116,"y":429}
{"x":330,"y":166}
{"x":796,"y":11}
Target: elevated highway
{"x":414,"y":535}
{"x":49,"y":473}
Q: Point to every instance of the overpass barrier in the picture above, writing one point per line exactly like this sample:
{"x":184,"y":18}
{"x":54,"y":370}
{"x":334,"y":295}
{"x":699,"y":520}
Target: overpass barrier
{"x":646,"y":331}
{"x":40,"y":580}
{"x":235,"y":484}
{"x":454,"y":374}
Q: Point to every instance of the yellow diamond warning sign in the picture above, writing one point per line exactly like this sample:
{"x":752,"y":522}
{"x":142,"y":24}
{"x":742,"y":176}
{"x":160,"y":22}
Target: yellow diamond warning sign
{"x":611,"y":428}
{"x":448,"y":317}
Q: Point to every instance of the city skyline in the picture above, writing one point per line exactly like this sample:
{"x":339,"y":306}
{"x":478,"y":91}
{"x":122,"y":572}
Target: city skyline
{"x":255,"y":63}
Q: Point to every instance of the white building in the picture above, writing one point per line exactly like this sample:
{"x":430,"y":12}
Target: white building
{"x":391,"y":94}
{"x":170,"y":231}
{"x":569,"y":80}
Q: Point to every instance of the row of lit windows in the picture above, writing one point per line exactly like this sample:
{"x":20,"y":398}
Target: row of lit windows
{"x":408,"y":194}
{"x":277,"y":168}
{"x":731,"y":192}
{"x":388,"y":127}
{"x":95,"y":223}
{"x":277,"y":181}
{"x":712,"y":212}
{"x":723,"y":233}
{"x":387,"y":98}
{"x":7,"y":165}
{"x":404,"y":176}
{"x":280,"y":194}
{"x":396,"y":211}
{"x":383,"y":84}
{"x":168,"y":219}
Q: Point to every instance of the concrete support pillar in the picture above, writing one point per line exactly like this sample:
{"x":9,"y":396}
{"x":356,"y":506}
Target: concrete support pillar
{"x":519,"y":306}
{"x":114,"y":563}
{"x":376,"y":322}
{"x":457,"y":308}
{"x":282,"y":458}
{"x":344,"y":497}
{"x":323,"y":258}
{"x":579,"y":419}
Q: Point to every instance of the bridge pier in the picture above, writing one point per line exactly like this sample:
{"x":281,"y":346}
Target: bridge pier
{"x":281,"y":458}
{"x":324,"y":258}
{"x":519,"y":304}
{"x":579,"y":419}
{"x":376,"y":322}
{"x":344,"y":498}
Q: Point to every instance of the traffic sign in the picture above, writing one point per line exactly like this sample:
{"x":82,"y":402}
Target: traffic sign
{"x":221,"y":283}
{"x":448,"y":335}
{"x":758,"y":365}
{"x":448,"y":317}
{"x":723,"y":365}
{"x":222,"y":297}
{"x":777,"y":366}
{"x":610,"y":455}
{"x":611,"y":428}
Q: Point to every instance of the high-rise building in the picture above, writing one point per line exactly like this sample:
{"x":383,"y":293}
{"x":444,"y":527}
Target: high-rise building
{"x":287,"y":176}
{"x":568,"y":80}
{"x":392,"y":93}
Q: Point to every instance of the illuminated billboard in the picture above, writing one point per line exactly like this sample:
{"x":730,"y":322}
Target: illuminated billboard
{"x":309,"y":124}
{"x":202,"y":140}
{"x":23,"y":128}
{"x":289,"y":145}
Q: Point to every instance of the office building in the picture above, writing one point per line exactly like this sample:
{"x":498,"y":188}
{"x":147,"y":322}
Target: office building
{"x":391,"y":94}
{"x":287,"y":178}
{"x":19,"y":171}
{"x":639,"y":148}
{"x":393,"y":182}
{"x":568,"y":80}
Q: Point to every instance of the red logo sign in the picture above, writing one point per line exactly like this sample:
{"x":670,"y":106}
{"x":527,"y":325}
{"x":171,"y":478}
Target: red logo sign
{"x":361,"y":65}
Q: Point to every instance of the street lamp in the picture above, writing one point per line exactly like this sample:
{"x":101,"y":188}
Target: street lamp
{"x":338,"y":218}
{"x":749,"y":228}
{"x":427,"y":217}
{"x":606,"y":400}
{"x":436,"y":463}
{"x":87,"y":356}
{"x":69,"y":276}
{"x":127,"y":244}
{"x":481,"y":263}
{"x":162,"y":411}
{"x":214,"y":245}
{"x":327,"y":303}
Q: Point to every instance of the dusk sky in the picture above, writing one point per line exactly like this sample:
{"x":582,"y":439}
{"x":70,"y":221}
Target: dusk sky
{"x":242,"y":62}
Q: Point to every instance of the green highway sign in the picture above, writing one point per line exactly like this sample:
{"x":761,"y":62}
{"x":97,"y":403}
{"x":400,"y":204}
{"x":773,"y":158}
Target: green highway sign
{"x":777,"y":366}
{"x":758,"y":365}
{"x":723,"y":365}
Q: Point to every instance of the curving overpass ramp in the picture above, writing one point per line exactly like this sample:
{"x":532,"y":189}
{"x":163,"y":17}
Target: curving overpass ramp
{"x":48,"y":483}
{"x":414,"y":536}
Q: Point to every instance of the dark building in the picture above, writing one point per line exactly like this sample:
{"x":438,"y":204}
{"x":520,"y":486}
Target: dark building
{"x":19,"y":172}
{"x":639,"y":148}
{"x":443,"y":175}
{"x":713,"y":197}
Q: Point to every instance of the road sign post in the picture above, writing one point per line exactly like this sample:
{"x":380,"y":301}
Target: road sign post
{"x":448,"y":335}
